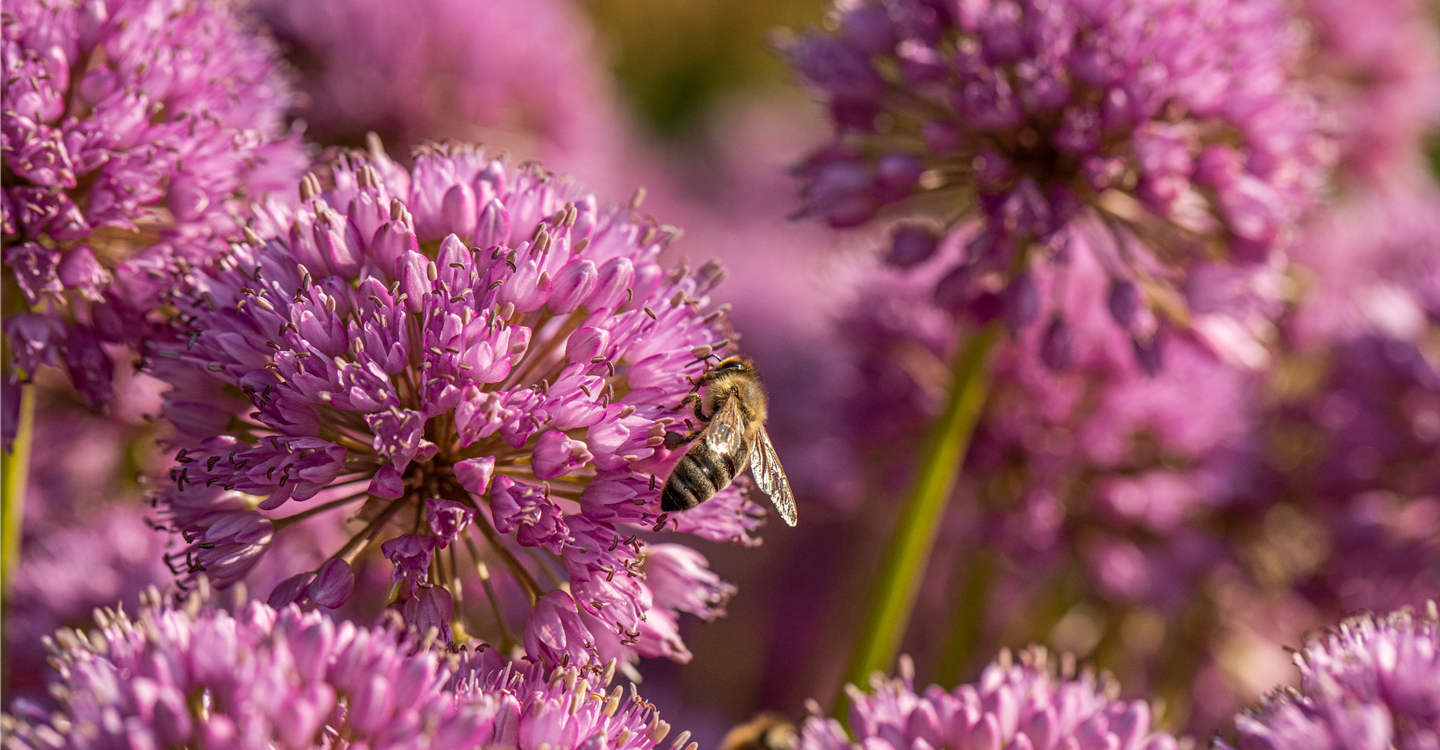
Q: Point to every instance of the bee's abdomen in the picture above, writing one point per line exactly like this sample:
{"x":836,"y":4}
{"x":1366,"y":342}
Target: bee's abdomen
{"x":700,"y":474}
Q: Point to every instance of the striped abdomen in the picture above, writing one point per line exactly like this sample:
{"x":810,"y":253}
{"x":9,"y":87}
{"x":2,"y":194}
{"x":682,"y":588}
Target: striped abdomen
{"x":701,"y":473}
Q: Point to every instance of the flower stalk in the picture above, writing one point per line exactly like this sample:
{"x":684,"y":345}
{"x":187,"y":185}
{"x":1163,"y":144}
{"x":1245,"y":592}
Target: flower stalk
{"x":16,"y":468}
{"x":893,"y":597}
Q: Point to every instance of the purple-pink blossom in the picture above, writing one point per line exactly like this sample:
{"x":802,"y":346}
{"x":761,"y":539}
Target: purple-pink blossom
{"x":134,"y":131}
{"x":1372,"y":681}
{"x":1028,"y":701}
{"x":473,"y":356}
{"x":1161,"y":138}
{"x":196,"y":675}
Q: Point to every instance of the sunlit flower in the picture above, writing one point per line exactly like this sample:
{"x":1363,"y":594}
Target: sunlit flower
{"x":462,"y":353}
{"x":1027,"y":704}
{"x":1372,"y":682}
{"x":133,"y":131}
{"x":1171,"y":141}
{"x":200,"y":676}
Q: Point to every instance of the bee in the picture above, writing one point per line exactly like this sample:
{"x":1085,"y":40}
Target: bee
{"x":732,"y":436}
{"x":766,"y":731}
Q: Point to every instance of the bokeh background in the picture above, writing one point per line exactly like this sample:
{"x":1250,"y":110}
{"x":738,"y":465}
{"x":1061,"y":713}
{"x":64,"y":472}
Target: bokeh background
{"x":689,"y":99}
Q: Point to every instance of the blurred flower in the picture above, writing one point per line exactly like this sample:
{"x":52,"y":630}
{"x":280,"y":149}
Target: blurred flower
{"x":197,"y":675}
{"x":1372,"y":682}
{"x":1034,"y":703}
{"x":465,"y":350}
{"x":1378,"y":66}
{"x":1172,"y":142}
{"x":66,"y":572}
{"x":133,"y":132}
{"x":515,"y":74}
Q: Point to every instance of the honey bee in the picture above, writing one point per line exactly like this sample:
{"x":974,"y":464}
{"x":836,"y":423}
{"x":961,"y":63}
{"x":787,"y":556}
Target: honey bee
{"x":766,"y":731}
{"x":732,"y":436}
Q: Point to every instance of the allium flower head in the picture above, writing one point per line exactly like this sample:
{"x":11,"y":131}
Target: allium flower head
{"x":1161,"y":137}
{"x":1372,"y":682}
{"x":1027,"y":704}
{"x":467,"y":357}
{"x":132,"y":131}
{"x":196,"y":676}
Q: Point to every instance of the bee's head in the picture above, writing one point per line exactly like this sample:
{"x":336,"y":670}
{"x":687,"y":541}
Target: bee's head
{"x":730,"y":366}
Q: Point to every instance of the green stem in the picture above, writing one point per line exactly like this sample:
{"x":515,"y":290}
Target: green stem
{"x":15,"y":464}
{"x":965,"y":619}
{"x":893,"y":597}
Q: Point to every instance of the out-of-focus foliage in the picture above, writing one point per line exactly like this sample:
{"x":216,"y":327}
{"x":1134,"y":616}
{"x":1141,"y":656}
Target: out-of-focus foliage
{"x":674,"y":58}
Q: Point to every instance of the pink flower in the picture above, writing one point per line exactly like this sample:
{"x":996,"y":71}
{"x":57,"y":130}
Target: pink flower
{"x":404,"y":353}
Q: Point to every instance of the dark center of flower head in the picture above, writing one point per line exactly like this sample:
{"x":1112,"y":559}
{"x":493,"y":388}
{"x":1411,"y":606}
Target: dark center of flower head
{"x":503,"y":361}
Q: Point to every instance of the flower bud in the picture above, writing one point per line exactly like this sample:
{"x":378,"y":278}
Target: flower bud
{"x":493,"y":227}
{"x":474,"y":474}
{"x":387,"y":483}
{"x":557,"y":455}
{"x":573,"y":283}
{"x":333,"y":584}
{"x":339,"y":243}
{"x":457,"y":211}
{"x":449,"y":519}
{"x":391,"y":242}
{"x":80,"y":271}
{"x":431,"y":607}
{"x":911,"y":245}
{"x":615,"y":276}
{"x":586,"y":344}
{"x":410,"y":555}
{"x":413,"y":270}
{"x":290,"y":589}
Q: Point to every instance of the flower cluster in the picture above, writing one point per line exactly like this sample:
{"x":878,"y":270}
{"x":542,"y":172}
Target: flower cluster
{"x":132,"y":132}
{"x":1170,"y":140}
{"x":1372,"y":682}
{"x":199,"y":676}
{"x":456,"y":353}
{"x":1025,"y":704}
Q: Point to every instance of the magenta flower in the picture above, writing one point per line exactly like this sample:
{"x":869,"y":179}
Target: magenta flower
{"x":473,"y":360}
{"x":1372,"y":682}
{"x":200,"y":676}
{"x":133,"y":133}
{"x":1030,"y":704}
{"x":1163,"y":139}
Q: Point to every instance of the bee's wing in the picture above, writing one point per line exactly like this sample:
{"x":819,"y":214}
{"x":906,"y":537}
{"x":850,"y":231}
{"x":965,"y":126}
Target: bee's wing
{"x":765,"y":467}
{"x":723,"y":434}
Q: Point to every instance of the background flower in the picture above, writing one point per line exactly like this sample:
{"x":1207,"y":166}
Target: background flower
{"x":1370,"y":682}
{"x":134,"y":133}
{"x":1032,"y":702}
{"x":1157,"y":138}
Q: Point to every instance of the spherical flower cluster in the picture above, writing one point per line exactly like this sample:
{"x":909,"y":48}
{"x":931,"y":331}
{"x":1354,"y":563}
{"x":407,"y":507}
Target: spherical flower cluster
{"x":1025,"y":704}
{"x":455,"y":354}
{"x":197,"y":676}
{"x":1163,"y":138}
{"x":1372,"y":682}
{"x":132,"y":132}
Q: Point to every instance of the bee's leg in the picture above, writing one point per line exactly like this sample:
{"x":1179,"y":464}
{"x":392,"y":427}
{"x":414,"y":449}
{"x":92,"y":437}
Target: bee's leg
{"x":706,"y":359}
{"x":694,"y":398}
{"x":674,"y":440}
